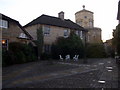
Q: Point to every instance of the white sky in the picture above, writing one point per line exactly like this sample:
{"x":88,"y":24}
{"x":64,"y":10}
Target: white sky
{"x":24,"y":11}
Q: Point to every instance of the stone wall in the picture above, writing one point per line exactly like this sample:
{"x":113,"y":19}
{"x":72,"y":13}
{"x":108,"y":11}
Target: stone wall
{"x":55,"y":32}
{"x":85,"y":17}
{"x":94,"y":35}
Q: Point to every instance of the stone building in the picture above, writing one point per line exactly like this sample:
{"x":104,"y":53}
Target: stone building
{"x":85,"y":19}
{"x":53,"y":27}
{"x":12,"y":31}
{"x":109,"y":48}
{"x":118,"y":14}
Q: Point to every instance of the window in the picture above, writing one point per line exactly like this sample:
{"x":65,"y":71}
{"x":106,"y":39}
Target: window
{"x":79,"y":22}
{"x":85,"y":17}
{"x":47,"y":48}
{"x":90,"y":23}
{"x":5,"y":44}
{"x":46,"y":30}
{"x":3,"y":24}
{"x":77,"y":33}
{"x":81,"y":35}
{"x":66,"y":32}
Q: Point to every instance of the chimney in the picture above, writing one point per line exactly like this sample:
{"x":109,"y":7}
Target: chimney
{"x":61,"y":15}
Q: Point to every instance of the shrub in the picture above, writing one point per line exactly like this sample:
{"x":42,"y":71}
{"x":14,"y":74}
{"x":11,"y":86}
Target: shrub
{"x":95,"y":51}
{"x":18,"y":53}
{"x":6,"y":58}
{"x":71,"y":45}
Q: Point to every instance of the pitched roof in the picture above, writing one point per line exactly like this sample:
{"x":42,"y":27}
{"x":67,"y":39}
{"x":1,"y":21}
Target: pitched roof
{"x":55,"y":21}
{"x":10,"y":19}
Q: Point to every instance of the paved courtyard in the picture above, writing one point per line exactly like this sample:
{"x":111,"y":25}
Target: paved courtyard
{"x":97,"y":73}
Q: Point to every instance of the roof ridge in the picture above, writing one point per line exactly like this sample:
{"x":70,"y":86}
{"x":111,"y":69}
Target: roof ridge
{"x":54,"y":21}
{"x":52,"y":17}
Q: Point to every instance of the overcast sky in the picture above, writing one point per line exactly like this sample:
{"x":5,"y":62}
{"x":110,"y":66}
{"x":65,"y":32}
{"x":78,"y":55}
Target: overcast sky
{"x":105,"y":11}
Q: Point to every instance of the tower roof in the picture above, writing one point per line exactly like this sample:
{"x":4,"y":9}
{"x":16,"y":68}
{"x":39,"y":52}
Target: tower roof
{"x":84,"y":10}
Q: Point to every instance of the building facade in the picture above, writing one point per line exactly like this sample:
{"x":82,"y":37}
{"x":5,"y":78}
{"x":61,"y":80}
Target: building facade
{"x":53,"y":27}
{"x":12,"y":31}
{"x":118,"y":14}
{"x":85,"y":19}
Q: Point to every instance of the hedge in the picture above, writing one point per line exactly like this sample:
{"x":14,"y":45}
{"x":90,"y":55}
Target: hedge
{"x":18,"y":53}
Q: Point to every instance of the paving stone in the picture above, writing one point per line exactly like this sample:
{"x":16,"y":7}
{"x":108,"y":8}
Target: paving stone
{"x":63,"y":75}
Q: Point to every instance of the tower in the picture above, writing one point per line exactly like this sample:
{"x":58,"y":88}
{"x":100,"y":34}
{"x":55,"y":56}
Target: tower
{"x":84,"y":18}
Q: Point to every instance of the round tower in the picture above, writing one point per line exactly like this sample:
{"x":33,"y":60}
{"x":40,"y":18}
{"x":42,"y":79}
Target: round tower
{"x":84,"y":18}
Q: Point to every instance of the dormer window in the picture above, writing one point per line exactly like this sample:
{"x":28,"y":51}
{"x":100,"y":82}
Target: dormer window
{"x":3,"y":24}
{"x":22,"y":35}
